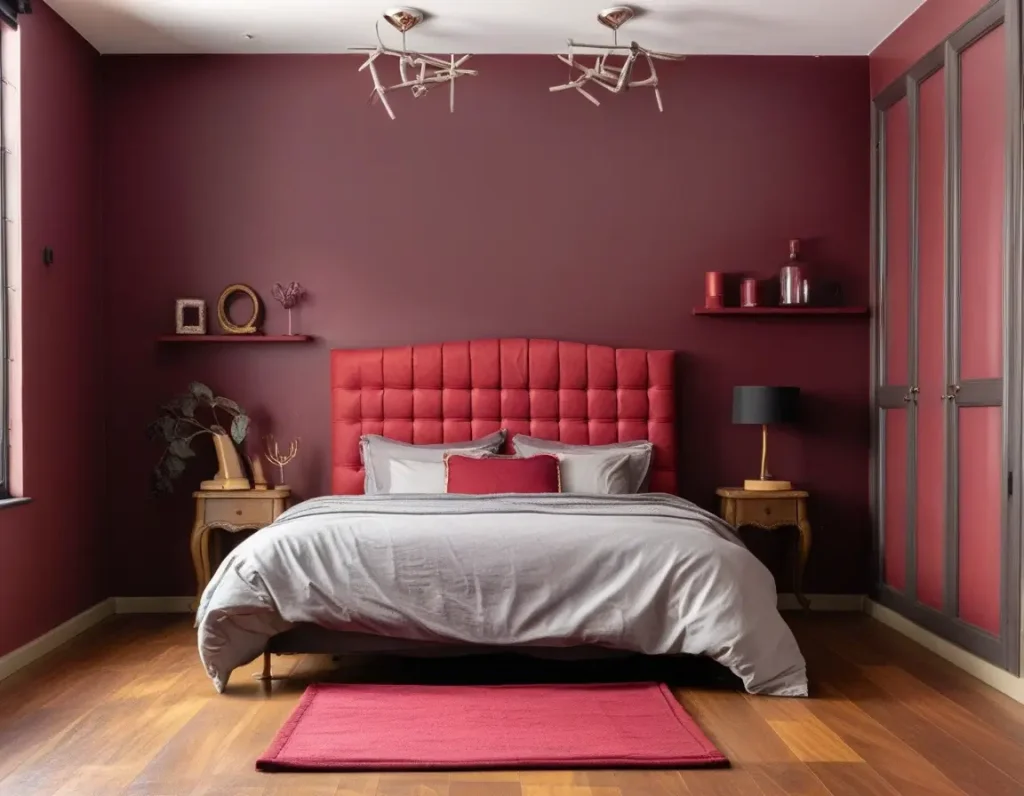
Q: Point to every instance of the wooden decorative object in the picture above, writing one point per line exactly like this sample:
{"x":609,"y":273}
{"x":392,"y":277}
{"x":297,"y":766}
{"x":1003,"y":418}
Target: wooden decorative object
{"x":190,"y":316}
{"x":259,"y":480}
{"x":230,"y":473}
{"x":278,"y":459}
{"x":251,"y":326}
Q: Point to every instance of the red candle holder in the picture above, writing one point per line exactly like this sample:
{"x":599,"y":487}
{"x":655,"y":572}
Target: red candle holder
{"x":714,"y":290}
{"x":748,"y":293}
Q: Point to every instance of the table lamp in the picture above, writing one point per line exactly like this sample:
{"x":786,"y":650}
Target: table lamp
{"x":765,"y":406}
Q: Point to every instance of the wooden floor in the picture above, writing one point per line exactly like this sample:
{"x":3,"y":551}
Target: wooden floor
{"x":127,"y":709}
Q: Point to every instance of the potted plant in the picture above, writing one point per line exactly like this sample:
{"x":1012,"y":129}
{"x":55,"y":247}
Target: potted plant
{"x":197,"y":413}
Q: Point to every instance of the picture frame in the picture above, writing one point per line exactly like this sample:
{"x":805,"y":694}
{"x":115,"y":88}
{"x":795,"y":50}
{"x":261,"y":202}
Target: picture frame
{"x":190,"y":316}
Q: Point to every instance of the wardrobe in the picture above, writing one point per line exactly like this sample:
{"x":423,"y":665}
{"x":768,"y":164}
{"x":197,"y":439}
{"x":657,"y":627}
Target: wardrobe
{"x":946,"y":366}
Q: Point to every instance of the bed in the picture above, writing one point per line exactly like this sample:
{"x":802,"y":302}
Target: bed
{"x":449,"y":574}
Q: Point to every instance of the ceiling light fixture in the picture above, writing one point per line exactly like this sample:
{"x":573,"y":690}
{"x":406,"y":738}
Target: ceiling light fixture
{"x":615,"y":79}
{"x":418,"y":72}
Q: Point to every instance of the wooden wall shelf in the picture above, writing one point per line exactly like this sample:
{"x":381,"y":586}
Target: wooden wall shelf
{"x":234,"y":338}
{"x":789,"y":311}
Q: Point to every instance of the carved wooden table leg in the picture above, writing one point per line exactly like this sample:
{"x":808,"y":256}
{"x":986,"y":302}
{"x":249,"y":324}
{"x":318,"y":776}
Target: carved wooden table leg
{"x":200,"y":553}
{"x":804,"y":550}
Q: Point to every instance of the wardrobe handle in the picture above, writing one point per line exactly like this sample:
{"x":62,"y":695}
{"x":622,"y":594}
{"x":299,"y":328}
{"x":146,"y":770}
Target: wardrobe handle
{"x":951,"y":395}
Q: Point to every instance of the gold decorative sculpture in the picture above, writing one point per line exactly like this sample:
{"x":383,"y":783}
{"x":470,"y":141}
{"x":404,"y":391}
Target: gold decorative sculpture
{"x":278,"y":459}
{"x":251,"y":326}
{"x":259,"y":480}
{"x":230,"y":473}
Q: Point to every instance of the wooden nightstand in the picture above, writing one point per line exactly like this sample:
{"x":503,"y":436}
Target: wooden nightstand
{"x":771,"y":510}
{"x":232,"y":511}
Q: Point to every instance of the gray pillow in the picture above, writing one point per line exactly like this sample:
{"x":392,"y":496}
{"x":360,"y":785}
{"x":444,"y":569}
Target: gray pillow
{"x":595,"y":468}
{"x":377,"y":452}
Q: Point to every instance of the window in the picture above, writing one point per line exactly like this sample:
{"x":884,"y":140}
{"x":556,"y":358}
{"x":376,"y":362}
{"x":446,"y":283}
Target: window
{"x":9,"y":214}
{"x":9,"y":10}
{"x":5,"y":415}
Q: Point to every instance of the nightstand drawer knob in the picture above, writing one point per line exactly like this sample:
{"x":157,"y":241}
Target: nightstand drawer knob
{"x":238,"y":512}
{"x":767,"y":511}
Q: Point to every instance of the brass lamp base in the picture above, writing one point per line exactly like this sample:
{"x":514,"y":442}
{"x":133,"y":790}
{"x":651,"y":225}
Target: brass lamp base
{"x":761,"y":485}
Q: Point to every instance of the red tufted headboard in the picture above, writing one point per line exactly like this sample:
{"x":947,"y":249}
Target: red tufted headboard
{"x":576,"y":393}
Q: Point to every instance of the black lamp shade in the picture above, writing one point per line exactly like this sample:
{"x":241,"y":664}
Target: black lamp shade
{"x":765,"y":405}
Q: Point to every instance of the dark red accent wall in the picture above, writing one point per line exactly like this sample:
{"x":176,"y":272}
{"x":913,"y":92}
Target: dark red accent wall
{"x":921,"y":31}
{"x":525,"y":213}
{"x":50,"y":549}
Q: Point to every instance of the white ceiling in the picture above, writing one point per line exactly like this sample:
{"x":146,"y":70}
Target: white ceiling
{"x":747,"y":27}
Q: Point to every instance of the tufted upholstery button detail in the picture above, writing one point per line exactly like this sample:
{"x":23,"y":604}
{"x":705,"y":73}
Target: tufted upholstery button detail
{"x":451,"y":392}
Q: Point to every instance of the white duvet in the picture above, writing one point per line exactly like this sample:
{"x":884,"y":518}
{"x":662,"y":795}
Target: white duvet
{"x":646,"y":573}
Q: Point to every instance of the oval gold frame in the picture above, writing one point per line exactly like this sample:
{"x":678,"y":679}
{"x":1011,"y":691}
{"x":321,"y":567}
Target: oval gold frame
{"x":250,"y":326}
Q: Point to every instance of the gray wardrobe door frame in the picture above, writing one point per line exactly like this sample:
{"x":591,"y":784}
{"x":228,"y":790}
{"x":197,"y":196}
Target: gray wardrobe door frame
{"x":1005,"y":650}
{"x":1003,"y":392}
{"x":1013,"y":349}
{"x":884,"y":396}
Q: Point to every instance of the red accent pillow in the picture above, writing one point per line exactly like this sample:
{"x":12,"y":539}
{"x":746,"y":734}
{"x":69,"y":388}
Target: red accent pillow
{"x":490,"y":475}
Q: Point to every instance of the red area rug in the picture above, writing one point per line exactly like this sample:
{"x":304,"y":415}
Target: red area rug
{"x":412,"y":728}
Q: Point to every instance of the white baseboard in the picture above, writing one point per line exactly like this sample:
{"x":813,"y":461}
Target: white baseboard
{"x":153,"y":605}
{"x":824,"y":602}
{"x":999,"y":679}
{"x":48,"y":642}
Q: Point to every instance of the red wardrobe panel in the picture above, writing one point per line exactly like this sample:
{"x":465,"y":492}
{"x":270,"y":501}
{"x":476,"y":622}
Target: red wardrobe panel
{"x":931,"y":351}
{"x":897,"y":246}
{"x":895,"y":497}
{"x":982,"y":201}
{"x":980,"y":515}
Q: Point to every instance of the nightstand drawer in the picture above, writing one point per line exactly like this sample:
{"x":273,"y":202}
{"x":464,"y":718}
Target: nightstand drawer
{"x":766,"y":512}
{"x":240,"y":511}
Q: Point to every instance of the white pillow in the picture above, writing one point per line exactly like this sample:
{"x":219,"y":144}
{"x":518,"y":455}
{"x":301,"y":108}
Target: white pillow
{"x":376,"y":451}
{"x":410,"y":477}
{"x":605,"y":473}
{"x":638,"y":454}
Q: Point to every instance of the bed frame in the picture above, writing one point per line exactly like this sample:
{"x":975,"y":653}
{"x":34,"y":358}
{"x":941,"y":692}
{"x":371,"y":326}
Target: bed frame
{"x":452,"y":392}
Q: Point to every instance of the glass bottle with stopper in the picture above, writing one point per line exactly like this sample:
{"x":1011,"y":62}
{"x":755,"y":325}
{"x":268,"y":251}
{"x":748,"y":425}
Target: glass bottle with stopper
{"x":791,"y":279}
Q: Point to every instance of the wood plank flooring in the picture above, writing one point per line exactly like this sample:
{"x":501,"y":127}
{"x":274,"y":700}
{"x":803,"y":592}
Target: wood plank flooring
{"x":127,"y":709}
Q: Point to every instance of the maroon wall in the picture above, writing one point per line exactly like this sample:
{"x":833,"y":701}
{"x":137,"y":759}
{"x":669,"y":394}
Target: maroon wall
{"x":921,"y":31}
{"x":525,"y":213}
{"x":50,"y":549}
